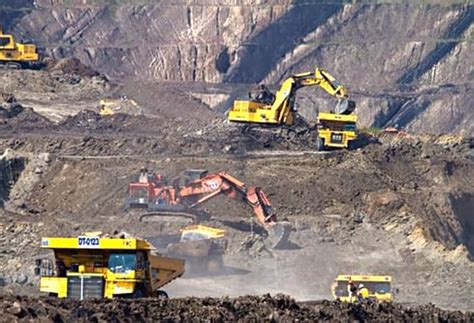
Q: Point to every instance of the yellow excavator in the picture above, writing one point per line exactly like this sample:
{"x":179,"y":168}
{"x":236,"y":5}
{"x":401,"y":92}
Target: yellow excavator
{"x":16,"y":55}
{"x":335,"y":129}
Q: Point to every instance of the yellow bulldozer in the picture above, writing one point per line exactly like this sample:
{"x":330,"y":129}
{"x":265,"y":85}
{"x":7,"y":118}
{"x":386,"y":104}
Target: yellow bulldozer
{"x":95,"y":266}
{"x":15,"y":55}
{"x":266,"y":109}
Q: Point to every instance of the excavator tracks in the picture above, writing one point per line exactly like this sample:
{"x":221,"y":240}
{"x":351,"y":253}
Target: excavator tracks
{"x":159,"y":216}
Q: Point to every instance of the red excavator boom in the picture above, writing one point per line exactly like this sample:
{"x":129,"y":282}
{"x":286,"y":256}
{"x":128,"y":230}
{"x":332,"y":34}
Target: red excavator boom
{"x":198,"y":187}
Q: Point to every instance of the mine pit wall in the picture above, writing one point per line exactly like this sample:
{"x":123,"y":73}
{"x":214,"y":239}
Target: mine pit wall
{"x":11,"y":12}
{"x":463,"y":208}
{"x":371,"y":48}
{"x":10,"y":171}
{"x":181,"y":41}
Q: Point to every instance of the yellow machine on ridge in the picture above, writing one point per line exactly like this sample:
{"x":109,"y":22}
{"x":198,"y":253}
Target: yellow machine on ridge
{"x":268,"y":109}
{"x":379,"y":287}
{"x":16,"y":55}
{"x":125,"y":105}
{"x":91,"y":266}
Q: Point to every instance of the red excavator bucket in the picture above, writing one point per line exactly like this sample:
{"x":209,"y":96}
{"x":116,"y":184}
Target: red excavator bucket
{"x":278,"y":234}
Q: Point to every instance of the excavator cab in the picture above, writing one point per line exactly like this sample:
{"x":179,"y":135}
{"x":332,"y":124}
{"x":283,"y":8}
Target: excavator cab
{"x":6,"y":42}
{"x":139,"y":195}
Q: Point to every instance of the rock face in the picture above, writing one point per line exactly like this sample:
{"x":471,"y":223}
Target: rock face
{"x":404,"y":63}
{"x":11,"y":167}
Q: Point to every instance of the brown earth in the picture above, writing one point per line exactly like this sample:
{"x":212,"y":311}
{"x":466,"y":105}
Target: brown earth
{"x":410,"y":195}
{"x":401,"y":205}
{"x":247,"y":308}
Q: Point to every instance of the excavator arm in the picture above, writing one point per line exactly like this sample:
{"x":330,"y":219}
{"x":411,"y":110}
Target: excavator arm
{"x":281,"y":111}
{"x":223,"y":183}
{"x":152,"y":193}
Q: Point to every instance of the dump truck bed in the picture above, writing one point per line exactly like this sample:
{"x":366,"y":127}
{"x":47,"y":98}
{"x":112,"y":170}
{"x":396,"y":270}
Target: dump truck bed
{"x":166,"y":270}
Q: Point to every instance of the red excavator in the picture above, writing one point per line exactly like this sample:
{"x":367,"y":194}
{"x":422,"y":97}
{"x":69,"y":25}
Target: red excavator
{"x":195,"y":187}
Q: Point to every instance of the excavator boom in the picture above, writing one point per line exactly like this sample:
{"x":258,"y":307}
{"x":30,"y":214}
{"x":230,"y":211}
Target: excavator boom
{"x":215,"y":184}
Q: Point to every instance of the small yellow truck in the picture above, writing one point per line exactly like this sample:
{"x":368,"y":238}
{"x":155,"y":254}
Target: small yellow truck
{"x":92,"y":266}
{"x":379,"y":287}
{"x":336,"y":130}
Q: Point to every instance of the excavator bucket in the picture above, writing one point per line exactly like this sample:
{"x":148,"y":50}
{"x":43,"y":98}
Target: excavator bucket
{"x":278,"y":234}
{"x":345,"y":106}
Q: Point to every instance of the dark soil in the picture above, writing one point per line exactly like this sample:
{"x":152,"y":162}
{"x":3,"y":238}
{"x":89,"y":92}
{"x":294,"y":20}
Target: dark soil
{"x":249,"y":308}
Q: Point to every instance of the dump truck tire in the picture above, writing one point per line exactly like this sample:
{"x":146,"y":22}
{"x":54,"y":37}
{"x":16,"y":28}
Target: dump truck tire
{"x":139,"y":292}
{"x":215,"y":265}
{"x":320,"y":144}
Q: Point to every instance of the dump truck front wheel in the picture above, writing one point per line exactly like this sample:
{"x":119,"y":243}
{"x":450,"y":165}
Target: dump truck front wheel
{"x":162,"y":294}
{"x":319,"y":144}
{"x":139,"y":292}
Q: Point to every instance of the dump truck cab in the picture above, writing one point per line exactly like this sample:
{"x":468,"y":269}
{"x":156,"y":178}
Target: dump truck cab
{"x":91,"y":266}
{"x":379,"y":287}
{"x":336,"y":130}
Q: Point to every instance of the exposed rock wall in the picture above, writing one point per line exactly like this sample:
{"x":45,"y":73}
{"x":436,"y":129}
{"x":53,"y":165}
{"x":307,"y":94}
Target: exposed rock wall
{"x":11,"y":168}
{"x":394,"y":56}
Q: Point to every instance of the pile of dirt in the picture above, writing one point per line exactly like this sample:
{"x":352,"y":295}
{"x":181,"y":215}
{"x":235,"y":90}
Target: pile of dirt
{"x":71,"y":66}
{"x":248,"y":308}
{"x":23,"y":119}
{"x":132,"y":135}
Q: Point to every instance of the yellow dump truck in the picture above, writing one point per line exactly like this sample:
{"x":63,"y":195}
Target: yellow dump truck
{"x":92,"y":266}
{"x":379,"y":287}
{"x":16,"y":55}
{"x":336,"y":130}
{"x":202,"y":247}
